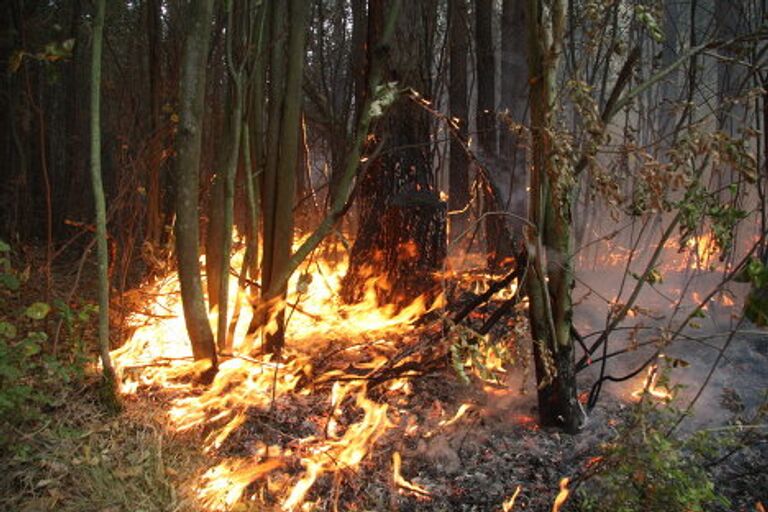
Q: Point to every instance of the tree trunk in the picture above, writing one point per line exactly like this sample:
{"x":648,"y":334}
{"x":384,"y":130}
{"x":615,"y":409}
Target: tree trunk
{"x":228,"y":181}
{"x":514,"y":100}
{"x":458,"y":183}
{"x":188,"y":148}
{"x":498,"y":239}
{"x":550,"y":278}
{"x":99,"y":202}
{"x":155,"y":163}
{"x":286,"y":69}
{"x":401,"y":238}
{"x":486,"y":77}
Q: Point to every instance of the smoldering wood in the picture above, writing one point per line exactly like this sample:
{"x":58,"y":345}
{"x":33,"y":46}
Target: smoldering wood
{"x":402,"y":249}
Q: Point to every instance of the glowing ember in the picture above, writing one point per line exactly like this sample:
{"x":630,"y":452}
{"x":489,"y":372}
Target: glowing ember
{"x":562,"y":496}
{"x":402,"y":482}
{"x":509,"y":503}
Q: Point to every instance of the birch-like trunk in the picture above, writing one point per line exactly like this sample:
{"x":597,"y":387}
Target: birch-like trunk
{"x":550,"y":278}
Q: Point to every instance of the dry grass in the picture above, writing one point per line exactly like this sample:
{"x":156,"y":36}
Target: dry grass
{"x":80,"y":459}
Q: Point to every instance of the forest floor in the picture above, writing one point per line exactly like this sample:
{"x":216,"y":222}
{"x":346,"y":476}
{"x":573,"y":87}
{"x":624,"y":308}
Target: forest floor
{"x":83,"y":459}
{"x":464,"y":446}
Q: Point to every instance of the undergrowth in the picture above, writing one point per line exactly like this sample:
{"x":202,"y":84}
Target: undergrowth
{"x":648,"y":467}
{"x":60,"y":448}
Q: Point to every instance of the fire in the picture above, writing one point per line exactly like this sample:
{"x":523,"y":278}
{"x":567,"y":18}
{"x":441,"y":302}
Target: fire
{"x":158,"y":354}
{"x":704,"y":249}
{"x":509,"y":503}
{"x":225,"y":483}
{"x":402,"y":482}
{"x":651,"y":386}
{"x":456,"y":417}
{"x":345,"y":452}
{"x":562,"y":496}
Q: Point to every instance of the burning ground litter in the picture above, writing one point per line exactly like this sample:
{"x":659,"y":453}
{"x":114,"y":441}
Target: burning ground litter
{"x":295,"y":434}
{"x":364,"y":412}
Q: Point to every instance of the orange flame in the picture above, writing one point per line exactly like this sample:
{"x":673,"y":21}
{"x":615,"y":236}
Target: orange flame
{"x":224,"y":484}
{"x":509,"y":503}
{"x":345,"y":452}
{"x":651,"y":386}
{"x":456,"y":417}
{"x":402,"y":482}
{"x":562,"y":496}
{"x":158,"y":354}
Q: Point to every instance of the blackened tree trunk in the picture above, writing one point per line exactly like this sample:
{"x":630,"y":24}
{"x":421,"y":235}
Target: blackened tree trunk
{"x":188,"y":145}
{"x":514,"y":101}
{"x":155,"y":161}
{"x":458,"y":183}
{"x":401,"y":237}
{"x":550,"y":278}
{"x":498,"y":240}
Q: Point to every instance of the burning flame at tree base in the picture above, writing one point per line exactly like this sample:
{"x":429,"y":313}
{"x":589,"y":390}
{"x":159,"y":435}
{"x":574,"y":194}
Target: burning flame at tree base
{"x":158,"y":355}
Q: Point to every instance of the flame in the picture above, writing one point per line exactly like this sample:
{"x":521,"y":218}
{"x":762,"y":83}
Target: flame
{"x":651,"y":387}
{"x":225,"y":483}
{"x":704,"y":249}
{"x":157,"y":354}
{"x":562,"y":496}
{"x":461,"y":412}
{"x":402,"y":482}
{"x":346,"y":452}
{"x":509,"y":503}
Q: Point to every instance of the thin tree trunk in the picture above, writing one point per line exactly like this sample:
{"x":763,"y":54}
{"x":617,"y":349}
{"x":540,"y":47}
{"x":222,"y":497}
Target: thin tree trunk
{"x":155,"y":163}
{"x":550,"y":280}
{"x":498,"y":239}
{"x":486,"y":77}
{"x":458,"y":183}
{"x":514,"y":100}
{"x":99,"y":202}
{"x":228,"y":183}
{"x":287,"y":67}
{"x":191,"y":106}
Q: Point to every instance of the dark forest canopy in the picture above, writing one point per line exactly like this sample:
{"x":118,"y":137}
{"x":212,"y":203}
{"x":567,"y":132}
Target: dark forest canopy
{"x":595,"y":157}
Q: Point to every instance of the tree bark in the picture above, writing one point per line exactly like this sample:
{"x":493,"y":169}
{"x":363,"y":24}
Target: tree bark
{"x":188,"y":147}
{"x":286,"y":69}
{"x":155,"y":163}
{"x":99,"y":201}
{"x":228,"y":179}
{"x":486,"y":77}
{"x":458,"y":183}
{"x":401,"y":237}
{"x":550,"y":278}
{"x":498,"y":240}
{"x":514,"y":100}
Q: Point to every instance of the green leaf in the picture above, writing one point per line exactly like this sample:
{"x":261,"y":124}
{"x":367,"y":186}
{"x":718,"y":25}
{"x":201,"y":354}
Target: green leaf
{"x":38,"y":310}
{"x":4,"y":247}
{"x":37,"y":336}
{"x":30,"y":348}
{"x":9,"y":281}
{"x":7,"y":330}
